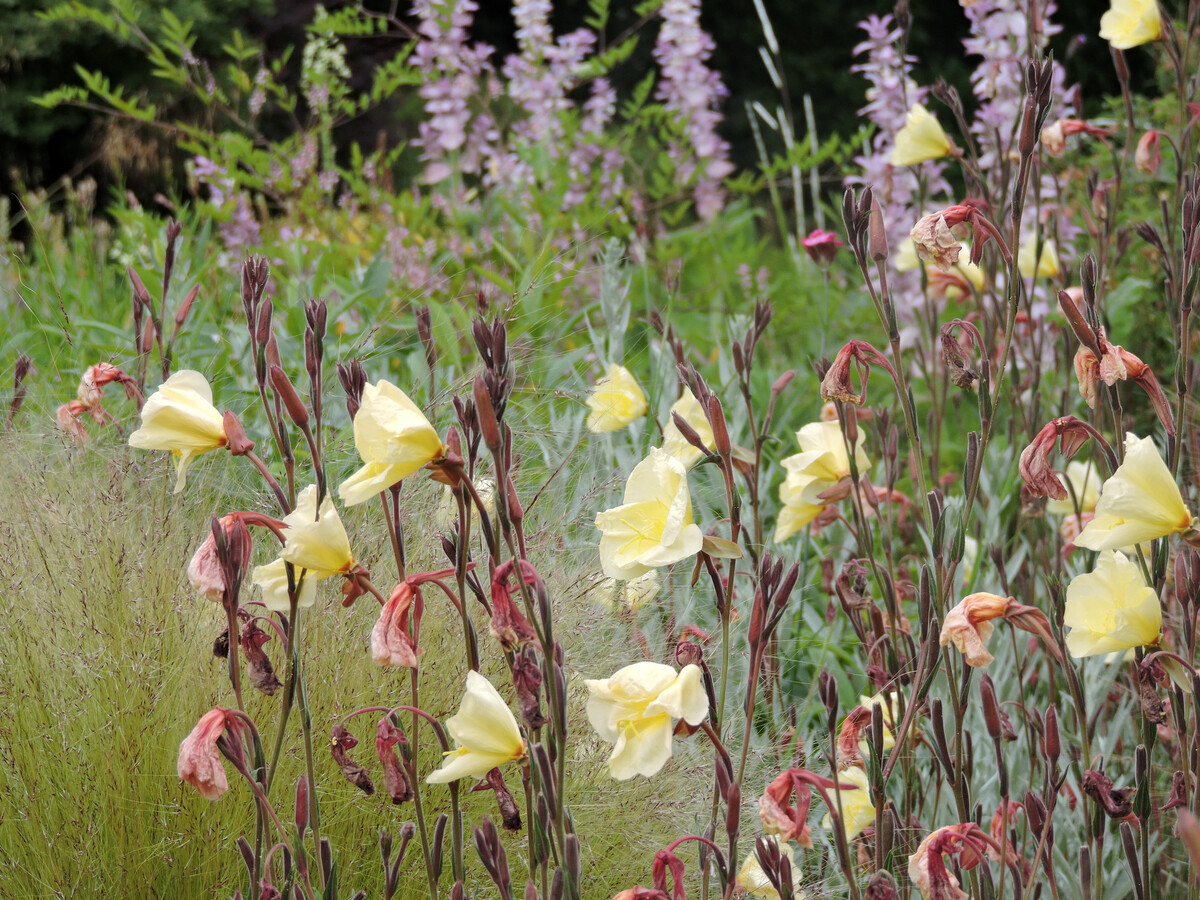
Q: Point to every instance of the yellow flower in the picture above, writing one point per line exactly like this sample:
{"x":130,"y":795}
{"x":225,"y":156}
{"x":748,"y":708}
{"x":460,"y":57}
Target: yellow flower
{"x":1084,"y":483}
{"x":1111,"y":609}
{"x":316,"y":543}
{"x":753,"y":881}
{"x":813,"y":474}
{"x":394,"y":439}
{"x":1140,"y":502}
{"x":674,"y":443}
{"x":653,"y":526}
{"x":857,"y":809}
{"x":920,"y":139}
{"x":484,"y":731}
{"x":180,"y":417}
{"x":272,"y":579}
{"x":632,"y":594}
{"x":1130,"y":23}
{"x":1047,"y":266}
{"x":637,"y":708}
{"x":616,"y":401}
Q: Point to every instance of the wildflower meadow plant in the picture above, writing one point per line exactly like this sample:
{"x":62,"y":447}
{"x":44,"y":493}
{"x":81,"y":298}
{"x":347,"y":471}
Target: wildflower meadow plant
{"x":946,"y":646}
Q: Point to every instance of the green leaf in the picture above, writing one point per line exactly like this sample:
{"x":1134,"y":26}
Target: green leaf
{"x":719,"y":548}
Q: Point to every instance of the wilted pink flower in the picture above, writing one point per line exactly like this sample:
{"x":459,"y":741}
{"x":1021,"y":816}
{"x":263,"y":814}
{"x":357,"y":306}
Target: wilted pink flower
{"x":821,"y":247}
{"x":1034,"y":464}
{"x":508,"y":625}
{"x":67,"y":417}
{"x":968,"y":626}
{"x":1117,"y":364}
{"x":204,"y":571}
{"x":199,"y":759}
{"x":1148,"y":155}
{"x":392,"y":643}
{"x":395,"y":779}
{"x":1054,"y":135}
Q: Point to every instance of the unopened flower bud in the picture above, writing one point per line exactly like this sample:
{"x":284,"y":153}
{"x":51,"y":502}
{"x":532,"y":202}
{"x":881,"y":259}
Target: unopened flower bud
{"x":287,"y":393}
{"x":235,"y":435}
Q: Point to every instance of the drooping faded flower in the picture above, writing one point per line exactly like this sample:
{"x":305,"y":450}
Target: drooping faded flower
{"x":968,"y":626}
{"x":392,"y":640}
{"x":316,"y":543}
{"x":816,"y":476}
{"x":688,"y":408}
{"x":394,"y":439}
{"x":1111,"y":608}
{"x":920,"y":140}
{"x":616,"y":401}
{"x":1131,"y":23}
{"x":935,"y":242}
{"x":857,"y":810}
{"x":653,"y":526}
{"x":199,"y":762}
{"x":485,"y":734}
{"x":180,"y":417}
{"x":637,"y":708}
{"x":1140,"y":502}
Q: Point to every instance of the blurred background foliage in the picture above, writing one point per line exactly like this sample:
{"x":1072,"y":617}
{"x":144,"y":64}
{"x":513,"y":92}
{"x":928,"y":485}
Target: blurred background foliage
{"x":817,"y":41}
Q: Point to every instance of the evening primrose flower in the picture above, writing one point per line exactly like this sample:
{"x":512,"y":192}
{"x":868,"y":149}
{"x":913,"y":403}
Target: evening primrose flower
{"x":394,"y":439}
{"x":921,"y":139}
{"x":272,"y":580}
{"x":317,"y":543}
{"x":180,"y":417}
{"x":199,"y":762}
{"x":1131,"y":23}
{"x":675,"y":443}
{"x":857,"y":810}
{"x":815,"y":475}
{"x":1047,"y":265}
{"x":638,"y":707}
{"x":485,"y":734}
{"x":617,"y":400}
{"x":1111,"y":608}
{"x":1084,"y":483}
{"x":1140,"y":502}
{"x":653,"y":526}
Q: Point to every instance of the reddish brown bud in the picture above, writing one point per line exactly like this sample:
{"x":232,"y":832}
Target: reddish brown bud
{"x":287,"y":393}
{"x":235,"y":435}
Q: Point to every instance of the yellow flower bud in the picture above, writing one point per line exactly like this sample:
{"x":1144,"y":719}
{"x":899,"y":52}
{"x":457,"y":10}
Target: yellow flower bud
{"x":1140,"y":502}
{"x":921,"y":139}
{"x":616,"y":401}
{"x":1111,"y":609}
{"x":180,"y":417}
{"x":484,"y":731}
{"x":653,"y":526}
{"x":637,"y":709}
{"x":1131,"y":23}
{"x":394,"y":439}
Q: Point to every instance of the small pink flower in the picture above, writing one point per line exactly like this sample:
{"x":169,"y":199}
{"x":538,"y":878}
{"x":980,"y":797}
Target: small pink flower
{"x":821,"y":247}
{"x":1148,"y":156}
{"x":199,"y":759}
{"x":204,"y":571}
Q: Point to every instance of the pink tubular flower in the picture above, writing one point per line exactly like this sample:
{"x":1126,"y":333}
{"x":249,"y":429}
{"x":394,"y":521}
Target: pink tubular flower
{"x":821,"y":247}
{"x":199,"y":761}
